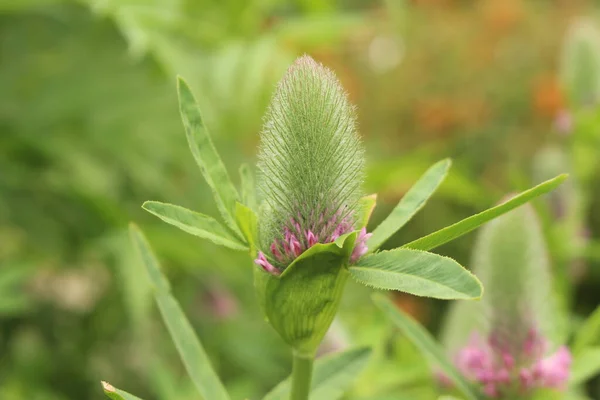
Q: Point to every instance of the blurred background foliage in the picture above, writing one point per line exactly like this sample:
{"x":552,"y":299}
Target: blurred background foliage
{"x":89,"y":129}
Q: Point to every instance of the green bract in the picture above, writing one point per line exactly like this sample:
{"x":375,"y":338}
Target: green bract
{"x":302,"y":302}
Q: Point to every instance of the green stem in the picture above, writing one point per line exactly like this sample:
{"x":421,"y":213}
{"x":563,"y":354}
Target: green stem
{"x":301,"y":375}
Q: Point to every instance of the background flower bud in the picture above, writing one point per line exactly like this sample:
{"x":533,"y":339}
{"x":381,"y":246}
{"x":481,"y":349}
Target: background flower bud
{"x":509,"y":342}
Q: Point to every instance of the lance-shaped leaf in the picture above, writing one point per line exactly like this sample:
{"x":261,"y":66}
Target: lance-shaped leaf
{"x":117,"y":394}
{"x":410,"y":204}
{"x":417,"y":272}
{"x":468,"y":224}
{"x":190,"y":350}
{"x":195,"y":223}
{"x":332,"y":375}
{"x":426,"y":343}
{"x":586,"y":365}
{"x":206,"y":155}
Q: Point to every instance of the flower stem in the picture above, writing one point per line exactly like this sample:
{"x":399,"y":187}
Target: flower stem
{"x":301,"y":376}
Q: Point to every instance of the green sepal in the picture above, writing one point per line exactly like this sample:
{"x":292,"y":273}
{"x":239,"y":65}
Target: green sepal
{"x":248,"y":223}
{"x":248,"y":187}
{"x":365,"y":208}
{"x":300,"y":304}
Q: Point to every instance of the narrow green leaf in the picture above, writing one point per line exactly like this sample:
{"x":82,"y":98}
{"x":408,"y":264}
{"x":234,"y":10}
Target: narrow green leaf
{"x":248,"y":223}
{"x":468,"y":224}
{"x":417,"y":272}
{"x":195,"y":223}
{"x":425,"y":342}
{"x":206,"y":155}
{"x":116,"y":394}
{"x":585,"y":366}
{"x":588,"y":334}
{"x":331,"y":377}
{"x":248,"y":187}
{"x":410,"y":204}
{"x":188,"y":346}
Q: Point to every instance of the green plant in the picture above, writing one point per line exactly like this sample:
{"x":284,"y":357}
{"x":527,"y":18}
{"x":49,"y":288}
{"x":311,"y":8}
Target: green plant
{"x":308,"y":234}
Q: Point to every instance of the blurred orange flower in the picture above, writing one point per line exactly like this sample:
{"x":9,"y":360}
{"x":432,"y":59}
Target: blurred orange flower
{"x":548,"y":99}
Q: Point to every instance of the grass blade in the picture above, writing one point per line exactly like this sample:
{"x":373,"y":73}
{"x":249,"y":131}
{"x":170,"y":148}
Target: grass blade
{"x":425,"y":342}
{"x":188,"y":346}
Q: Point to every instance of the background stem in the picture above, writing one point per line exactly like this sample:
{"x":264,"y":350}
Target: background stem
{"x":301,"y":376}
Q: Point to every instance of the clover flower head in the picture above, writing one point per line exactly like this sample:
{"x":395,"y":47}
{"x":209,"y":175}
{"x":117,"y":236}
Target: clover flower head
{"x":513,"y":350}
{"x":311,"y":165}
{"x":500,"y":371}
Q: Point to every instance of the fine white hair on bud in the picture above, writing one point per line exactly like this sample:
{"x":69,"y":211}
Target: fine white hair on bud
{"x":311,"y":164}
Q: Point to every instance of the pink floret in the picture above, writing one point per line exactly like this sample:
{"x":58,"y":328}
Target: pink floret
{"x":295,"y":241}
{"x":265,"y":264}
{"x":495,"y":369}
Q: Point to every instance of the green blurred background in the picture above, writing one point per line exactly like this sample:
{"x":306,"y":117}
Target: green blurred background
{"x":89,"y":129}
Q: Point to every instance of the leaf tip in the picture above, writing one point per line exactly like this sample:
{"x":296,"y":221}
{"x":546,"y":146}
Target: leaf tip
{"x":107,"y":387}
{"x":447,"y":162}
{"x":180,"y":82}
{"x":562,"y":177}
{"x":147,"y":205}
{"x":133,"y":227}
